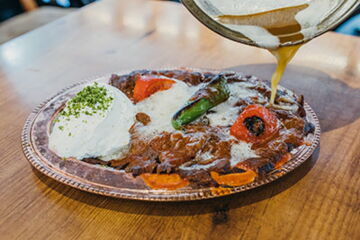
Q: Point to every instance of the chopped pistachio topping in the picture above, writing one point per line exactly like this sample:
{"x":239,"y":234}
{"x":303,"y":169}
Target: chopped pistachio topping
{"x":89,"y":101}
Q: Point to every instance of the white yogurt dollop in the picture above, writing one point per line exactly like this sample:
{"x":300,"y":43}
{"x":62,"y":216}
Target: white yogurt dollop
{"x":161,"y":107}
{"x":100,"y":134}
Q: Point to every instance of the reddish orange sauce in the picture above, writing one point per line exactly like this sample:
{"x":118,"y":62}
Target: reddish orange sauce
{"x":164,"y":181}
{"x":234,"y":179}
{"x":284,"y":159}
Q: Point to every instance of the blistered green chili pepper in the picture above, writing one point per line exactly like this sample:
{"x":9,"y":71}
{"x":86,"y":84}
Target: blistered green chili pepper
{"x":214,"y":93}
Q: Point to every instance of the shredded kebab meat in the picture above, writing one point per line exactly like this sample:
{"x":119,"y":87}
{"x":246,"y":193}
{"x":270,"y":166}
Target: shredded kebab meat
{"x":178,"y":152}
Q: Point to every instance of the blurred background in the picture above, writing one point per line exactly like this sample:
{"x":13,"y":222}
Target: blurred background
{"x":20,"y":16}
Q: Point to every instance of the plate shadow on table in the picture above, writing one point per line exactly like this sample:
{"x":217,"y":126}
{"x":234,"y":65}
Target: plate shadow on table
{"x":218,"y":207}
{"x":336,"y":103}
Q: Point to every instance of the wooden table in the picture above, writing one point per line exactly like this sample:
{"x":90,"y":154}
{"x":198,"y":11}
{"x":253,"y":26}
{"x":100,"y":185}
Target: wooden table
{"x":319,"y":200}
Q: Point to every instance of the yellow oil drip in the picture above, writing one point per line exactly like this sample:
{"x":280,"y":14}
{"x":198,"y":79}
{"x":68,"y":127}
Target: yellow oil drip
{"x":283,"y":56}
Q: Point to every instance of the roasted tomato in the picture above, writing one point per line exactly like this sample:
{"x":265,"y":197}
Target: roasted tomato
{"x":255,"y":124}
{"x":164,"y":181}
{"x":234,"y":179}
{"x":148,"y":84}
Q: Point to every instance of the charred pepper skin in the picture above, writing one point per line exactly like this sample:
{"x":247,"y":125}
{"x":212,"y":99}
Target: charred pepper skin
{"x":214,"y":93}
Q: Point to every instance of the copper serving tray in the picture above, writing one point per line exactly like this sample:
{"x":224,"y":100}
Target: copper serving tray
{"x":117,"y":183}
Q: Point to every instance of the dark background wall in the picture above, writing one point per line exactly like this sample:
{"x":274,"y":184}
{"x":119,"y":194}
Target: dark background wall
{"x":10,"y":8}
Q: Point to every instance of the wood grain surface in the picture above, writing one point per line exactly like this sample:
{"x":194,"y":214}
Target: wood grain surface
{"x":319,"y":200}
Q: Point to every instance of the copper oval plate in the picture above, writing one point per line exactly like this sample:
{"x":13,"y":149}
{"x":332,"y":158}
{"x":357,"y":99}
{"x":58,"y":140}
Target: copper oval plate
{"x":116,"y":183}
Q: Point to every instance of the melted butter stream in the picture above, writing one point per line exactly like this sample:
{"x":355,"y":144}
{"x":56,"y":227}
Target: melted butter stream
{"x":283,"y":56}
{"x":280,"y":23}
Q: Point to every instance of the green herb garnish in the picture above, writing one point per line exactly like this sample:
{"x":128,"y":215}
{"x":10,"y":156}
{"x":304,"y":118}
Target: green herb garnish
{"x":88,"y":101}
